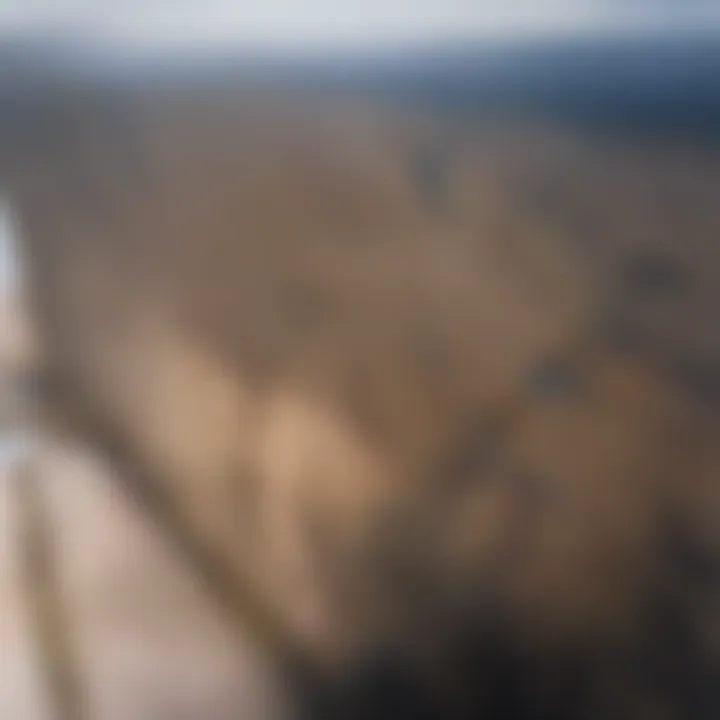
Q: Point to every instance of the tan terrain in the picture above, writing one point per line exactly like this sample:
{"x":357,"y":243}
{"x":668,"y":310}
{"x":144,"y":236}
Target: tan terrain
{"x":434,"y":397}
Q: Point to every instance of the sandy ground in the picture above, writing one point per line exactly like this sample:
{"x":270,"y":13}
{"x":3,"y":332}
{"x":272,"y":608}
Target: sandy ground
{"x":20,"y":685}
{"x":145,"y":641}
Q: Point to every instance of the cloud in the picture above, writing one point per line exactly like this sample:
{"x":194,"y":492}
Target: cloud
{"x":345,"y":21}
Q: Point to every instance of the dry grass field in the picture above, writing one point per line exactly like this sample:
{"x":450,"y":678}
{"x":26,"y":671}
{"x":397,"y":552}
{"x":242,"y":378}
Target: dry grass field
{"x":443,"y":393}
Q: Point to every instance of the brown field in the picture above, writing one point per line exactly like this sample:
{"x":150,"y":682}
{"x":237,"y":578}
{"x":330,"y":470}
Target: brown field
{"x":444,"y":394}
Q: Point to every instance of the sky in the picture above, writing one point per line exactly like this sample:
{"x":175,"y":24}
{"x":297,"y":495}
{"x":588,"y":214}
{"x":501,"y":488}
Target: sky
{"x":343,"y":23}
